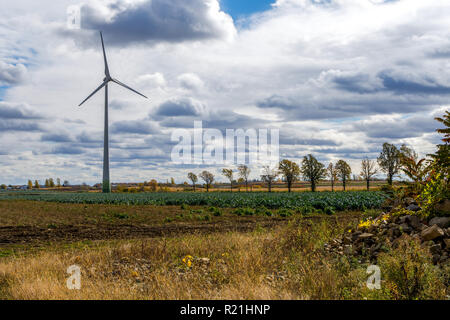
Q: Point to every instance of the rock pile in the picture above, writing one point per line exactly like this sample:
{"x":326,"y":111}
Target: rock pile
{"x":367,"y":242}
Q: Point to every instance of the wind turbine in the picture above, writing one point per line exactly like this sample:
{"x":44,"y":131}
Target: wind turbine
{"x":106,"y":182}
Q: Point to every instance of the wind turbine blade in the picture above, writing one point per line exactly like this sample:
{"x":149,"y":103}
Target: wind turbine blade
{"x":104,"y":56}
{"x":96,"y":90}
{"x":127,"y":87}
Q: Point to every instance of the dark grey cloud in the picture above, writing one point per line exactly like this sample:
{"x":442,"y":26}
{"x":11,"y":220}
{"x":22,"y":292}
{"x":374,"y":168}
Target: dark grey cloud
{"x":414,"y":126}
{"x":402,"y":81}
{"x":76,"y":121}
{"x":134,"y":127}
{"x":441,"y":53}
{"x":360,"y":83}
{"x":66,"y":149}
{"x":179,"y":107}
{"x":55,"y":137}
{"x":353,"y":83}
{"x":157,"y":20}
{"x":17,"y":125}
{"x":16,"y":111}
{"x":220,"y":121}
{"x":290,"y":140}
{"x":332,"y":105}
{"x":85,"y":137}
{"x":231,"y":120}
{"x":347,"y":150}
{"x":148,"y":155}
{"x":406,"y":86}
{"x":278,"y":101}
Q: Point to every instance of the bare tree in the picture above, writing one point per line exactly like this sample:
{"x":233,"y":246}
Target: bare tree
{"x":389,"y":161}
{"x":290,"y":170}
{"x":193,"y":177}
{"x":208,"y":177}
{"x":268,"y":176}
{"x":343,"y":171}
{"x":312,"y":170}
{"x":228,"y":173}
{"x":244,"y":173}
{"x":368,"y":170}
{"x":332,"y":174}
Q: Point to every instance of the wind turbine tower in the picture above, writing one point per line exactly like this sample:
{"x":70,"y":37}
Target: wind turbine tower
{"x":106,"y":181}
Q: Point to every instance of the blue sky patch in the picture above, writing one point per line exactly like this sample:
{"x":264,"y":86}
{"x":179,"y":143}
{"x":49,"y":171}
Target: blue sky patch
{"x":239,"y":8}
{"x":2,"y":92}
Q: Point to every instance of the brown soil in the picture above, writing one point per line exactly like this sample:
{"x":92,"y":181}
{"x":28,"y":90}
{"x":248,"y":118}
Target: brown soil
{"x":30,"y":222}
{"x":31,"y":234}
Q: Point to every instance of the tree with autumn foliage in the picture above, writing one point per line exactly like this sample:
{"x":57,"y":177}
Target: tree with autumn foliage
{"x":290,"y":171}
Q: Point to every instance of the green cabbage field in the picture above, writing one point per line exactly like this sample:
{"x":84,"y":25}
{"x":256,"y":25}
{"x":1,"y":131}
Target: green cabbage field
{"x":352,"y":200}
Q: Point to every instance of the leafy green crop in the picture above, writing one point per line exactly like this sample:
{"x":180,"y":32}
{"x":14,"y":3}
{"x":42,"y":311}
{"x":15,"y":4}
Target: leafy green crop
{"x":352,"y":200}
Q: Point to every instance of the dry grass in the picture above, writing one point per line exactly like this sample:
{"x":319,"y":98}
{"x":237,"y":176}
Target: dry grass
{"x":287,"y":262}
{"x":258,"y":265}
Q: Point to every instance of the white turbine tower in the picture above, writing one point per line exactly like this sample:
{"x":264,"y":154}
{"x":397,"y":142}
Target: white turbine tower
{"x":106,"y":182}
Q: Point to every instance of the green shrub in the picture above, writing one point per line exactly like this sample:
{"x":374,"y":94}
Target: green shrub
{"x":244,"y":212}
{"x":408,"y":273}
{"x":249,"y":211}
{"x":215,"y":211}
{"x":285,"y":213}
{"x":305,"y":210}
{"x":115,"y":215}
{"x":206,"y":217}
{"x":372,"y":213}
{"x":263,"y":211}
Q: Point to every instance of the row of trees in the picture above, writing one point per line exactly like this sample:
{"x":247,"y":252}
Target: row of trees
{"x":391,"y":161}
{"x":49,"y":183}
{"x":311,"y":170}
{"x":243,"y":172}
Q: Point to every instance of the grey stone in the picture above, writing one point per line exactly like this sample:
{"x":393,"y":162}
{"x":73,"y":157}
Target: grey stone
{"x":413,"y":207}
{"x":413,"y":221}
{"x":442,"y":222}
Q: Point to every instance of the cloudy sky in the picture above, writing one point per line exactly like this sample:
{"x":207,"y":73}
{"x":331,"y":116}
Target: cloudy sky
{"x":337,"y":77}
